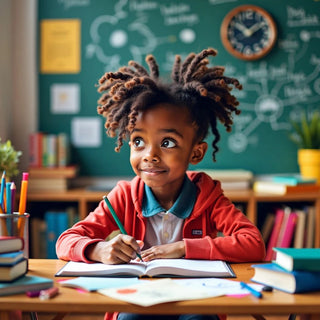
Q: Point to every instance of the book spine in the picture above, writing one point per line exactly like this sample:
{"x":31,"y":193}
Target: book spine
{"x":310,"y":230}
{"x":35,"y":149}
{"x":306,"y":281}
{"x":283,"y":226}
{"x":289,"y":230}
{"x":274,"y":234}
{"x":51,"y":222}
{"x":52,"y":150}
{"x":62,"y":150}
{"x":300,"y":229}
{"x":62,"y":222}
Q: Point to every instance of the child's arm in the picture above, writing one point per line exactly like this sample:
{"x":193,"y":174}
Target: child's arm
{"x":241,"y":240}
{"x":95,"y":228}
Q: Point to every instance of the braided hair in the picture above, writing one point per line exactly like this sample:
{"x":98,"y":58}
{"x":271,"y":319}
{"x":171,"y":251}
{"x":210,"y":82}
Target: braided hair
{"x":203,"y":90}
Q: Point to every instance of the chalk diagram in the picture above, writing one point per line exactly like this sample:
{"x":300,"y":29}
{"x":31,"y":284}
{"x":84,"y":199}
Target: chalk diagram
{"x":120,"y":35}
{"x":278,"y":91}
{"x":296,"y":89}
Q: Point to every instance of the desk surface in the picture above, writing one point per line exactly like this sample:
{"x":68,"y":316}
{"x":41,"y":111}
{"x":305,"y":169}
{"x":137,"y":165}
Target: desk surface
{"x":70,"y":300}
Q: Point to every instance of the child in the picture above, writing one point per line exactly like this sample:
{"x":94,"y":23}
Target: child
{"x":167,"y":210}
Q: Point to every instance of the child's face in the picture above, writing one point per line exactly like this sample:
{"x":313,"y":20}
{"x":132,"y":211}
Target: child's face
{"x":162,"y":144}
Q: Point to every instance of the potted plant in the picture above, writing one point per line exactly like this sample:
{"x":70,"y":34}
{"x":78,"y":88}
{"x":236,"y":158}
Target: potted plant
{"x":307,"y":137}
{"x":9,"y":159}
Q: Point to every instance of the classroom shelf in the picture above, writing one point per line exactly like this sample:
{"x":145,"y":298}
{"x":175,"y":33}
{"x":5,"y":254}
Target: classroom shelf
{"x":86,"y":200}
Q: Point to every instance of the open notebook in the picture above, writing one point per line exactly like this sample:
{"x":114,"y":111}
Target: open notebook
{"x":154,"y":268}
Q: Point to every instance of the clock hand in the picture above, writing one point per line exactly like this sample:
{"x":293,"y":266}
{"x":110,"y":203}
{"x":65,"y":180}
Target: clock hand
{"x":243,"y":29}
{"x":254,"y":28}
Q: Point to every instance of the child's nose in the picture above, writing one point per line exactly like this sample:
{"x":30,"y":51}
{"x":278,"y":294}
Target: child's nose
{"x":151,"y":155}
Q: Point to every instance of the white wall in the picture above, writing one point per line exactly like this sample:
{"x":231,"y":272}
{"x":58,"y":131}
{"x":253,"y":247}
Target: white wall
{"x":18,"y":73}
{"x":5,"y":68}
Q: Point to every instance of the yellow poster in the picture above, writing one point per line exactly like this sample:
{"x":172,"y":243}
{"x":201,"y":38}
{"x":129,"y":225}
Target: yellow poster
{"x":60,"y":46}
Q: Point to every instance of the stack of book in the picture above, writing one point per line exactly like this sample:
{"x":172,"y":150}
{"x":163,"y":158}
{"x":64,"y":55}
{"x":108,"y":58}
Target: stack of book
{"x":14,"y":268}
{"x":51,"y":179}
{"x":13,"y":265}
{"x":285,"y":184}
{"x":49,"y":150}
{"x":293,"y":270}
{"x":233,"y":179}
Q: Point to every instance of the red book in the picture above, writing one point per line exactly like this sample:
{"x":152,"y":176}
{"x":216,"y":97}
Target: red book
{"x":288,"y":231}
{"x":35,"y":149}
{"x":9,"y":244}
{"x":274,"y":234}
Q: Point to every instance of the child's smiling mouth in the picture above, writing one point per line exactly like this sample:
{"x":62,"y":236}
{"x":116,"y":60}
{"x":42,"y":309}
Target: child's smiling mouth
{"x":152,"y":171}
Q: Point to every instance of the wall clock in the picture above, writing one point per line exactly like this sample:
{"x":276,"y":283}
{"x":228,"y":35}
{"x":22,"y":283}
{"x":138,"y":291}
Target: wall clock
{"x":248,"y":32}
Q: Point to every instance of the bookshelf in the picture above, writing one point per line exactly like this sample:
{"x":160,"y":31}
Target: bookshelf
{"x":86,"y":201}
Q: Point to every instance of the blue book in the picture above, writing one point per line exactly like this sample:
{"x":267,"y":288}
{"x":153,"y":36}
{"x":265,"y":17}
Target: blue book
{"x":293,"y":179}
{"x":57,"y":222}
{"x":50,"y":218}
{"x":10,"y":257}
{"x":271,"y":274}
{"x":306,"y":259}
{"x":62,"y":222}
{"x":24,"y":284}
{"x":12,"y":271}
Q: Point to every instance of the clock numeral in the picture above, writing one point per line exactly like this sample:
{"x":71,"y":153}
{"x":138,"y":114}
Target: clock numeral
{"x":256,"y":47}
{"x":238,"y":46}
{"x":247,"y":50}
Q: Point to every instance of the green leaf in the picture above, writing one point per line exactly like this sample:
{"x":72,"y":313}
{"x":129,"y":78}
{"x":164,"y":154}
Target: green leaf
{"x":306,"y":134}
{"x":9,"y":159}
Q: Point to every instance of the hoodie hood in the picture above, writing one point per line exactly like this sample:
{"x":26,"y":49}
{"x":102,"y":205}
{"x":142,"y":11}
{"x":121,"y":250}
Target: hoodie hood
{"x":208,"y":191}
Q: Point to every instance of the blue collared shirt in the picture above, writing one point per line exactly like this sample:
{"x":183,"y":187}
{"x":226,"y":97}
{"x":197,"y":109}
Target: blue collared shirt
{"x":166,"y":226}
{"x":182,"y":207}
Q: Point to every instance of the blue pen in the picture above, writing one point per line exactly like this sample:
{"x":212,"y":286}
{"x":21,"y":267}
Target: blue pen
{"x":251,"y":290}
{"x":8,"y":198}
{"x":3,"y":186}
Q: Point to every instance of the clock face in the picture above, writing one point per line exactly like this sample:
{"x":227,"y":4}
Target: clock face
{"x":248,"y":32}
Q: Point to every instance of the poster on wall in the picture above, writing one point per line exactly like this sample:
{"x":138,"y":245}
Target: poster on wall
{"x":60,"y":46}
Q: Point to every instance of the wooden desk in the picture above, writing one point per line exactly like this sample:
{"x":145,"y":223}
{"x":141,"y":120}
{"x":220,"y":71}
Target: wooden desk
{"x":71,"y":301}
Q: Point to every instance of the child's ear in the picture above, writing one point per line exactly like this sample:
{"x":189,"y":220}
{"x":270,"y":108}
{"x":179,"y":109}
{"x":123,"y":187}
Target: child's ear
{"x":198,"y":152}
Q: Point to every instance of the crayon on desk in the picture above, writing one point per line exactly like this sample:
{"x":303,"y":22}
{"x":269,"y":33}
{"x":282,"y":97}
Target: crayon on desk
{"x":251,"y":290}
{"x":118,"y":222}
{"x":33,"y":294}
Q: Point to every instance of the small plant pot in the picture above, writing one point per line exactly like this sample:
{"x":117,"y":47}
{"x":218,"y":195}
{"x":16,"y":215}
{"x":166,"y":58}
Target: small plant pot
{"x":309,"y":163}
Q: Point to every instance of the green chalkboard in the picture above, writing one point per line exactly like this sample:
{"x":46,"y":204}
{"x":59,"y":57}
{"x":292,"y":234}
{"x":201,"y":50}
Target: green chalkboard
{"x":276,"y":88}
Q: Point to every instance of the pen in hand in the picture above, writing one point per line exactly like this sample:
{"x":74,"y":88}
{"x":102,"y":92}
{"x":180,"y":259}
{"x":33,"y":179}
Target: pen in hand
{"x":251,"y":290}
{"x":118,"y":222}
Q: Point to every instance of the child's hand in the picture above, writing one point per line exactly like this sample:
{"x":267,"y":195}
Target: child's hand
{"x":120,"y":249}
{"x":174,"y":250}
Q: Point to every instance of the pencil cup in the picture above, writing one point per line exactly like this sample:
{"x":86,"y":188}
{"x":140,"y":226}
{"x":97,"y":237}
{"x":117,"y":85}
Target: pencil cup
{"x":16,"y":225}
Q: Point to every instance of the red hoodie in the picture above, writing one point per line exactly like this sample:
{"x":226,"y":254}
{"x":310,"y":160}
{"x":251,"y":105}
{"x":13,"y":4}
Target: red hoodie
{"x":212,"y":212}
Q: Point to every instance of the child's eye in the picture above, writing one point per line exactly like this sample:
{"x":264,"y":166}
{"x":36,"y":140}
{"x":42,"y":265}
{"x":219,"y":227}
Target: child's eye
{"x":138,"y":142}
{"x":168,"y":143}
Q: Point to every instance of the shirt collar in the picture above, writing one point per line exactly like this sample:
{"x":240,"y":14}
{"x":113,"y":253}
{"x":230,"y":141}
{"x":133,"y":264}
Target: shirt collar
{"x":182,"y":207}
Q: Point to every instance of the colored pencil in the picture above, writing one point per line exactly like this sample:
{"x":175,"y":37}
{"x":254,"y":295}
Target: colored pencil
{"x":118,"y":222}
